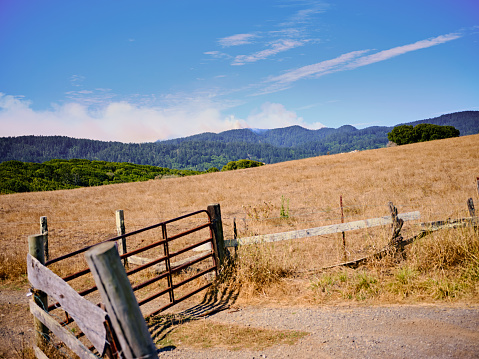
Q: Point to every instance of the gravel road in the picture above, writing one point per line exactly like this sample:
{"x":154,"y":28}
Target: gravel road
{"x":356,"y":332}
{"x":400,"y":331}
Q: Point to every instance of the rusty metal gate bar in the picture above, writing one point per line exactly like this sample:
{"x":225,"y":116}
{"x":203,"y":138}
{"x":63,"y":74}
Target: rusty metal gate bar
{"x":166,"y":258}
{"x":79,"y":251}
{"x":168,"y":264}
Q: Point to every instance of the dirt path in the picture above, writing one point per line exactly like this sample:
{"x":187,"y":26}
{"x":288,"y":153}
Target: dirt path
{"x":359,"y":332}
{"x":16,"y":322}
{"x":422,"y":331}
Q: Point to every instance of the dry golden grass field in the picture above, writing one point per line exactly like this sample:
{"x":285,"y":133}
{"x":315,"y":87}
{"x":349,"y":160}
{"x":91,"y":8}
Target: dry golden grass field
{"x":435,"y":178}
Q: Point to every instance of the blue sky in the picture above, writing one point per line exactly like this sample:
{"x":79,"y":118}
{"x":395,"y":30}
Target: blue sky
{"x":138,"y":71}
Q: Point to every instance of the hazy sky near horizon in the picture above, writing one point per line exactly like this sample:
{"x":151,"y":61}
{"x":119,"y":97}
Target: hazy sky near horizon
{"x":139,"y":71}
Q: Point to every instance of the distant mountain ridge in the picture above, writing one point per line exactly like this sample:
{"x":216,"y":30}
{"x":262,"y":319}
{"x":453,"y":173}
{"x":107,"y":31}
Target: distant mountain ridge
{"x":206,"y":150}
{"x":467,"y":122}
{"x":291,"y":136}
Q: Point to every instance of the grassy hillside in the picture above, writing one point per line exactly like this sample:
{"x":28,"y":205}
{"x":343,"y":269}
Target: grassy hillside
{"x":435,"y":178}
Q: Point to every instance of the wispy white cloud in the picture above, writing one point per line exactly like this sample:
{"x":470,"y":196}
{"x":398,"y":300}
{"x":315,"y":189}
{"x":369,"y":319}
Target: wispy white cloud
{"x":289,"y":34}
{"x":275,"y":48}
{"x":317,"y":69}
{"x":217,"y":54}
{"x":77,"y":80}
{"x":236,"y":40}
{"x":348,"y":61}
{"x":400,"y":50}
{"x":304,"y":16}
{"x":313,"y":105}
{"x":96,"y":97}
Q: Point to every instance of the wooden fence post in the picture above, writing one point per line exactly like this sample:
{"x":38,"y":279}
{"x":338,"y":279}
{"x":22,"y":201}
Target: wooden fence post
{"x":396,"y":226}
{"x":470,"y":207}
{"x":235,"y":231}
{"x":37,"y":250}
{"x":214,"y":211}
{"x":120,"y":230}
{"x":120,"y":302}
{"x":344,"y":235}
{"x":44,"y":231}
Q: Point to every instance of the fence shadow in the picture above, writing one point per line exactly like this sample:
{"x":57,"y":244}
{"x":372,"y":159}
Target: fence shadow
{"x":219,"y":297}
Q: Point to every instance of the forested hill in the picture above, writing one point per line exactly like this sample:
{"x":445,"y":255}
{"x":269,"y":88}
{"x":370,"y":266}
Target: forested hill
{"x":281,"y":137}
{"x":204,"y":151}
{"x":467,"y":122}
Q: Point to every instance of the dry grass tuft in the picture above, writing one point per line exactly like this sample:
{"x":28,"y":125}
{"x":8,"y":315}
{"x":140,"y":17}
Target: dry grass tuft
{"x":446,"y":250}
{"x":259,"y":266}
{"x":13,"y":265}
{"x":443,"y":266}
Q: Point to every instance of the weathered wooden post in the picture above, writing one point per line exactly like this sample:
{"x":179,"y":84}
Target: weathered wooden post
{"x":214,"y":211}
{"x":235,"y":231}
{"x":44,"y":231}
{"x":470,"y":207}
{"x":396,"y":226}
{"x":120,"y":230}
{"x":344,"y":235}
{"x":37,"y":250}
{"x":120,"y":302}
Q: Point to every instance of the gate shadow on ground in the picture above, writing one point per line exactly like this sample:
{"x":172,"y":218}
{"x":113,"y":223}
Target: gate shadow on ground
{"x":214,"y":301}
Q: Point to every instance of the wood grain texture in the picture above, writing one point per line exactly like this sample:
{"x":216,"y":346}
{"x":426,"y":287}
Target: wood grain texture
{"x":39,"y":353}
{"x":87,"y":315}
{"x":63,"y":334}
{"x":120,"y":301}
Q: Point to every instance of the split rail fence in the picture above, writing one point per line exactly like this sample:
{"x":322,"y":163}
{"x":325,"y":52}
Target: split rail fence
{"x":117,"y":328}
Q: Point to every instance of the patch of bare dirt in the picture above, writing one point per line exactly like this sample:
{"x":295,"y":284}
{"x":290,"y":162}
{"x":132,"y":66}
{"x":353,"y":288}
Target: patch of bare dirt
{"x":16,"y":322}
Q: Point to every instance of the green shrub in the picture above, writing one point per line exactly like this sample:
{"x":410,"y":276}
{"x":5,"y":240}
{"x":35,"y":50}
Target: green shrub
{"x":240,"y":164}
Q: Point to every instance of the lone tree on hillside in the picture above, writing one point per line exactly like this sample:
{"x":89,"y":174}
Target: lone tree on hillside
{"x":402,"y":135}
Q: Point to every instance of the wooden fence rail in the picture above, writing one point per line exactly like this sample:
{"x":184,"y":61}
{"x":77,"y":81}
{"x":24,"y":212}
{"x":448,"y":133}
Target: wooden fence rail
{"x":117,"y":295}
{"x":318,"y":231}
{"x":89,"y":317}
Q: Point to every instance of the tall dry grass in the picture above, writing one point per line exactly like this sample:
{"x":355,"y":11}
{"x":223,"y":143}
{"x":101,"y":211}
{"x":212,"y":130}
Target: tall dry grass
{"x":442,"y":266}
{"x":435,"y":178}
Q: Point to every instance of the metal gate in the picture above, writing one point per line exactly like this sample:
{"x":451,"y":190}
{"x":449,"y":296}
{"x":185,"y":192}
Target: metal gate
{"x":163,"y":266}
